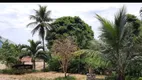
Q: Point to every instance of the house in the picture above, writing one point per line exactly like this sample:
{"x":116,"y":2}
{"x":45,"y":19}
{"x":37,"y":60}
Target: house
{"x":26,"y":60}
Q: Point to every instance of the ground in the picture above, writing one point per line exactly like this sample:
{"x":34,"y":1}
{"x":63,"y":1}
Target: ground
{"x":34,"y":76}
{"x":49,"y":75}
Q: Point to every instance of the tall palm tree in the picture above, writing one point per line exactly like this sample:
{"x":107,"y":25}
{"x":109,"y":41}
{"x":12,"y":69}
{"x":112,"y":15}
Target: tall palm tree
{"x":41,"y":23}
{"x":34,"y":50}
{"x":119,"y":40}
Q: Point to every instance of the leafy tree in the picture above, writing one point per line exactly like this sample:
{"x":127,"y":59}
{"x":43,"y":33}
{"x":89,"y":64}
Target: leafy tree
{"x":119,"y":40}
{"x":63,"y":48}
{"x":34,"y":50}
{"x":135,"y":23}
{"x":91,"y":56}
{"x":70,"y":26}
{"x":41,"y":23}
{"x":9,"y":54}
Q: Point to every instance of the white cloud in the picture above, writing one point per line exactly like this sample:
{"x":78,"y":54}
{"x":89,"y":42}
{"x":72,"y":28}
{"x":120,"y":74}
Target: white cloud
{"x":15,"y":16}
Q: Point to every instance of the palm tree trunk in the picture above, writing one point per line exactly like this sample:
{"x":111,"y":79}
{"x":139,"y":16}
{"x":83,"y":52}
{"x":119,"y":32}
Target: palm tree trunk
{"x":43,"y":44}
{"x":34,"y":65}
{"x":44,"y":51}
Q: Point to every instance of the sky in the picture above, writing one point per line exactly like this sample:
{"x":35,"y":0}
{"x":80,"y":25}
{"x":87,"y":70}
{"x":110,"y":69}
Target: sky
{"x":15,"y":16}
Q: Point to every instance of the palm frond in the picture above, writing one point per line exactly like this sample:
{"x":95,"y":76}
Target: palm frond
{"x":35,"y":29}
{"x":32,"y":24}
{"x":120,"y":21}
{"x":39,"y":48}
{"x":108,"y":30}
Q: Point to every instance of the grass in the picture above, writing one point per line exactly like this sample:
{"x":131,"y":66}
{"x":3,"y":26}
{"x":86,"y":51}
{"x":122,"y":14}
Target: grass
{"x":44,"y":76}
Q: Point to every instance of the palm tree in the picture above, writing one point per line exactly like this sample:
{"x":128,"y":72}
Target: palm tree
{"x":41,"y":23}
{"x":34,"y":50}
{"x":119,"y":40}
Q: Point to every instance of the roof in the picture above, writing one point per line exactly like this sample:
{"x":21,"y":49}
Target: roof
{"x":26,"y":59}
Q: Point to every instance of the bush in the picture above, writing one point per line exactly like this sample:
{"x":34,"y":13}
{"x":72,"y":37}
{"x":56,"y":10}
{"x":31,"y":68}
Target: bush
{"x":66,"y":78}
{"x":12,"y":71}
{"x":76,"y":66}
{"x":131,"y":78}
{"x":53,"y":65}
{"x":111,"y":78}
{"x":140,"y":78}
{"x":15,"y":71}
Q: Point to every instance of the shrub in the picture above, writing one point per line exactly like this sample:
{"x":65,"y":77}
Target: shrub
{"x":66,"y":78}
{"x":12,"y":71}
{"x":15,"y":71}
{"x":77,"y":66}
{"x":131,"y":78}
{"x":111,"y":78}
{"x":53,"y":65}
{"x":140,"y":78}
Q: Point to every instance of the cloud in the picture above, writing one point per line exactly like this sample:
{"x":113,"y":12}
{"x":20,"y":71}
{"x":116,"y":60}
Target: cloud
{"x":15,"y":17}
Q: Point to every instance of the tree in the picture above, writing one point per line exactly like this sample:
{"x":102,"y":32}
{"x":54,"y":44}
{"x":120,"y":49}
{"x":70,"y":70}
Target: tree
{"x":34,"y":50}
{"x":70,"y":26}
{"x":135,"y":23}
{"x":119,"y":40}
{"x":9,"y":54}
{"x":41,"y":23}
{"x":64,"y":48}
{"x":92,"y":56}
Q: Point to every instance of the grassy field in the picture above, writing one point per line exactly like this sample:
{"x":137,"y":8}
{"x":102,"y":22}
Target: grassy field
{"x":38,"y":75}
{"x":46,"y":75}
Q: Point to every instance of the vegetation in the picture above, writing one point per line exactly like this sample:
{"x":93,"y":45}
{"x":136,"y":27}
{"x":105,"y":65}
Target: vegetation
{"x":91,"y":56}
{"x":9,"y":54}
{"x":70,"y":26}
{"x":120,"y":42}
{"x":71,"y":46}
{"x":34,"y":50}
{"x":63,"y":49}
{"x":41,"y":23}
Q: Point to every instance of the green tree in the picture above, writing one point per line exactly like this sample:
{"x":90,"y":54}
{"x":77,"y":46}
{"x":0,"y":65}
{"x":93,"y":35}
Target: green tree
{"x":119,"y":40}
{"x":92,"y":56}
{"x":9,"y":54}
{"x":135,"y":23}
{"x":35,"y":50}
{"x":70,"y":26}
